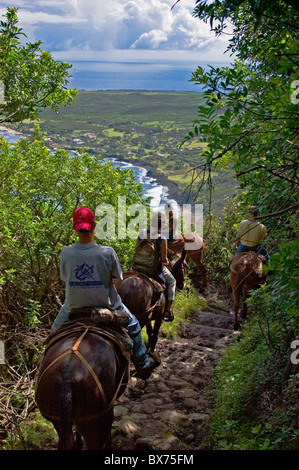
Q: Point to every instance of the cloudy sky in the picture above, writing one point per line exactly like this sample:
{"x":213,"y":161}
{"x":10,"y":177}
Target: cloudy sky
{"x":119,"y":30}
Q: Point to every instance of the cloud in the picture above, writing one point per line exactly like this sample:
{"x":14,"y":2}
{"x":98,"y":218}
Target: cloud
{"x":181,"y":31}
{"x":88,"y":25}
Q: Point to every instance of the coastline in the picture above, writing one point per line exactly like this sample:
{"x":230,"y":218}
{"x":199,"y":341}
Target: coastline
{"x":173,"y":191}
{"x":10,"y":130}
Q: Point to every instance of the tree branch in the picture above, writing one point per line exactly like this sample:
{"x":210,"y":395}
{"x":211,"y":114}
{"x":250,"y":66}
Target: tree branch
{"x":275,"y":214}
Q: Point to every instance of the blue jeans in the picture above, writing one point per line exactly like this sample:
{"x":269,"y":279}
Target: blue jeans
{"x":260,"y":249}
{"x":140,"y":357}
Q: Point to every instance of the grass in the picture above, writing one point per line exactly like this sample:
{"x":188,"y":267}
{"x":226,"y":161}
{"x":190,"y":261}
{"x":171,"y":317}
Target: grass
{"x":112,"y":133}
{"x":186,"y":302}
{"x":34,"y":434}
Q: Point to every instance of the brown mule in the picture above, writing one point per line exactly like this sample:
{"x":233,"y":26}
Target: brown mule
{"x":146,"y":298}
{"x":83,"y":371}
{"x":246,"y":274}
{"x":194,"y":246}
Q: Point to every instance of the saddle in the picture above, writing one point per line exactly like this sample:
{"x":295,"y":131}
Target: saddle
{"x":88,"y":321}
{"x":158,"y":287}
{"x":256,"y":262}
{"x":108,"y":324}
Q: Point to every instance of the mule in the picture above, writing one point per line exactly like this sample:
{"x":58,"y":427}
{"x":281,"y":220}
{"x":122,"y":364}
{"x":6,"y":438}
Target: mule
{"x":83,"y":371}
{"x":246,"y":274}
{"x":194,"y":246}
{"x":146,"y":298}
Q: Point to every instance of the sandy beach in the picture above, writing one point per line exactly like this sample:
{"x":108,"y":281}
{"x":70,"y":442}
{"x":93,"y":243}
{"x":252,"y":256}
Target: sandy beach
{"x":8,"y":129}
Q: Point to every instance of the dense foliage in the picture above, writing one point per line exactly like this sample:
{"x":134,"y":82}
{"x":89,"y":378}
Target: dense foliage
{"x":251,"y":120}
{"x":250,"y":125}
{"x":38,"y":193}
{"x":30,"y":79}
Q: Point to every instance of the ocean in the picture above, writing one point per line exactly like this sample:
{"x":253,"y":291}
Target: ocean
{"x":91,"y":75}
{"x":104,"y":75}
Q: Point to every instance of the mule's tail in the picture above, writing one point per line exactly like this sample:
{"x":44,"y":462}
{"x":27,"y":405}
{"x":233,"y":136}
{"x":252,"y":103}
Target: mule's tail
{"x":65,"y":427}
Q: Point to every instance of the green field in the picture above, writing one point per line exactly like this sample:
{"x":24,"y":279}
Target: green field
{"x":144,"y":127}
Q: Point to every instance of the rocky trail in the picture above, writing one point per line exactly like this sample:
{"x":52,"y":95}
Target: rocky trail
{"x":171,"y":410}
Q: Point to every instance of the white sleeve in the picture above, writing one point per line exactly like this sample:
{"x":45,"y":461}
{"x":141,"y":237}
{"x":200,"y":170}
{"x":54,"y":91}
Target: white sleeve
{"x":62,"y":267}
{"x":116,"y":267}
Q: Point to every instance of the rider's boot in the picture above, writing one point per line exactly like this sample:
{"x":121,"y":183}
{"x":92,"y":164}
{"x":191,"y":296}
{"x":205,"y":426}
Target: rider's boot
{"x":143,"y":362}
{"x":168,"y":315}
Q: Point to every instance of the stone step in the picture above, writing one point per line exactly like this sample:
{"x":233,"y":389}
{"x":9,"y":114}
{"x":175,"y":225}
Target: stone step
{"x":214,"y":320}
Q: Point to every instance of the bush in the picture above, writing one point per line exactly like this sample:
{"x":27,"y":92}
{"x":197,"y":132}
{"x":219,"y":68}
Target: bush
{"x":39,"y":191}
{"x":256,"y":384}
{"x":219,"y":234}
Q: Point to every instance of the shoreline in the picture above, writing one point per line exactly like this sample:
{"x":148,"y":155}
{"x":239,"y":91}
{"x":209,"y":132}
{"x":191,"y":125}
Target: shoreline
{"x":10,"y":130}
{"x":173,"y":190}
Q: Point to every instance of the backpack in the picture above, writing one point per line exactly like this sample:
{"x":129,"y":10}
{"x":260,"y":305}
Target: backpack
{"x":146,"y":257}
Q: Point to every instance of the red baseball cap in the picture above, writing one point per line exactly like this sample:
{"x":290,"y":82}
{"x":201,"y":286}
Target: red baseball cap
{"x":83,"y":218}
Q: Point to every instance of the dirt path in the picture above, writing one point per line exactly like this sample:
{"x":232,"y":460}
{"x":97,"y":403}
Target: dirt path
{"x":171,"y":410}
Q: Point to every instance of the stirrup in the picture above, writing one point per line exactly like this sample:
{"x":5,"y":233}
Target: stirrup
{"x":155,"y":356}
{"x":155,"y":362}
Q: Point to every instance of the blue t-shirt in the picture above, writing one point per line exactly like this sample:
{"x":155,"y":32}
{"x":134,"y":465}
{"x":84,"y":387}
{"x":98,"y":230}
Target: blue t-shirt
{"x":87,"y":271}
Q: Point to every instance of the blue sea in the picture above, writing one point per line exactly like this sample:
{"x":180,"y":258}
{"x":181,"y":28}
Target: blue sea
{"x":91,"y":75}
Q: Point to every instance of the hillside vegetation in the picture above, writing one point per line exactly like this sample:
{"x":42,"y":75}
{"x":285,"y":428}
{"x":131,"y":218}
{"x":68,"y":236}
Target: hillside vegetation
{"x":250,"y":125}
{"x":243,"y":128}
{"x":143,"y":127}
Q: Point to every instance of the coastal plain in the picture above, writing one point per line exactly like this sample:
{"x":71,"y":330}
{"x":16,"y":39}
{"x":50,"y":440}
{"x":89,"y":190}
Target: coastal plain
{"x":145,"y":128}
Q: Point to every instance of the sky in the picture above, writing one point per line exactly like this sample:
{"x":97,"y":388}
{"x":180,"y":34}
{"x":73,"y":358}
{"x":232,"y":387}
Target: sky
{"x":119,"y":30}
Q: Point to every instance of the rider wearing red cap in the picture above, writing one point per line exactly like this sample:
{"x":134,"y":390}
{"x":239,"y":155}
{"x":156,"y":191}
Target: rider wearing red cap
{"x":88,"y":270}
